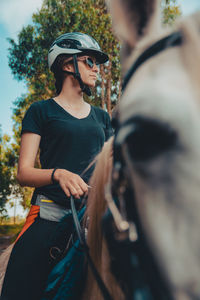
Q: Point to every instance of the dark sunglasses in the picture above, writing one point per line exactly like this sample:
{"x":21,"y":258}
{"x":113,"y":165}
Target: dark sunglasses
{"x":88,"y":61}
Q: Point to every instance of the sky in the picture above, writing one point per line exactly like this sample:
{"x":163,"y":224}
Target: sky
{"x":14,"y":14}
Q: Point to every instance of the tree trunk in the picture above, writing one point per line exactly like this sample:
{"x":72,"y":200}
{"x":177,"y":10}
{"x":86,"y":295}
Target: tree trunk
{"x":120,"y":89}
{"x":102,"y":86}
{"x":15,"y":209}
{"x":109,"y":78}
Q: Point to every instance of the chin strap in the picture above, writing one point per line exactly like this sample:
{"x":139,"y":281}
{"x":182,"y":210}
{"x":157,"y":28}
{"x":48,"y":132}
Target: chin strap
{"x":77,"y":75}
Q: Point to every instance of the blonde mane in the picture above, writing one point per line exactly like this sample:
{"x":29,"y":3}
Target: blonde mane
{"x":96,"y":207}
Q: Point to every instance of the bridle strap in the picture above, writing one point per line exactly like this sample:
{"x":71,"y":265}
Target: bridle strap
{"x":174,"y":39}
{"x":81,"y":237}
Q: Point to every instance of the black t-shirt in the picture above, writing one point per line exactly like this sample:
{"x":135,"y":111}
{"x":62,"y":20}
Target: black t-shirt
{"x":66,"y":141}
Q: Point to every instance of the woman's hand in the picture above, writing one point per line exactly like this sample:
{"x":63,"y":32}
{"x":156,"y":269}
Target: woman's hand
{"x":71,"y":183}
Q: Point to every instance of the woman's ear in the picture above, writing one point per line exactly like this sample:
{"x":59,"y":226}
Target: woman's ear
{"x":133,"y":19}
{"x":68,"y":66}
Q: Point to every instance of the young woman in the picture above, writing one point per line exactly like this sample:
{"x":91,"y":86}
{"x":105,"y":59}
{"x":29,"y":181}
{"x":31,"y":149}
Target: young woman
{"x":69,"y":133}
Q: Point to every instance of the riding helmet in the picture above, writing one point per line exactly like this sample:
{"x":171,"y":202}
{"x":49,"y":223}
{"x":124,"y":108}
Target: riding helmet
{"x":76,"y":43}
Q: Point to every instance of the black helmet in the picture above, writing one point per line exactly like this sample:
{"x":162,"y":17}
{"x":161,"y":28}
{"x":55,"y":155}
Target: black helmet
{"x":76,"y":43}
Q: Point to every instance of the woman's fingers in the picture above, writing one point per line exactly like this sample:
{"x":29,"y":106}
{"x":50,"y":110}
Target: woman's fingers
{"x":66,"y":190}
{"x":84,"y":187}
{"x":72,"y":184}
{"x":79,"y":185}
{"x":70,"y":190}
{"x":75,"y":191}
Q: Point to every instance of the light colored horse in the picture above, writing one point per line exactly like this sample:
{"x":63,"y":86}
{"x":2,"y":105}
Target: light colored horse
{"x":163,"y":96}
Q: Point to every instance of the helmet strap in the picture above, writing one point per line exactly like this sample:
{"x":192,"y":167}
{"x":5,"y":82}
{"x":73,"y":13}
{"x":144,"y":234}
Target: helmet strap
{"x":77,"y":76}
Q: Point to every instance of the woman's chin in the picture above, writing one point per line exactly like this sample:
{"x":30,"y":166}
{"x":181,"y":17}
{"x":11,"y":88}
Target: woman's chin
{"x":91,"y":84}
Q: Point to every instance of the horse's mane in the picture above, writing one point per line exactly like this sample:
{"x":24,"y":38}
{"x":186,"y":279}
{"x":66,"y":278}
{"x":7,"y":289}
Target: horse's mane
{"x":96,"y":207}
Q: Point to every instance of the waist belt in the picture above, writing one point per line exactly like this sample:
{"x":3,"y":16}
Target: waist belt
{"x":49,"y":210}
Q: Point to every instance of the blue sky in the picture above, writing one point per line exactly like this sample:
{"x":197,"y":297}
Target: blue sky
{"x":14,"y":14}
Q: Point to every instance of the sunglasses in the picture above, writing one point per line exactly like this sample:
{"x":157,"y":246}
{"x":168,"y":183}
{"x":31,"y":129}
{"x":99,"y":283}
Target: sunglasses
{"x":88,"y":61}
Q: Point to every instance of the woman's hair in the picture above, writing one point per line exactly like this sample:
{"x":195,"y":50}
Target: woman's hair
{"x":57,"y":69}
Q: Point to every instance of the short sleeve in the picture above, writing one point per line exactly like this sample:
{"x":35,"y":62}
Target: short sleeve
{"x":108,"y":129}
{"x":32,"y":121}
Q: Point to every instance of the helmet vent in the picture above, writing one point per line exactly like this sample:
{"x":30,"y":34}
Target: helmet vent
{"x":72,"y":44}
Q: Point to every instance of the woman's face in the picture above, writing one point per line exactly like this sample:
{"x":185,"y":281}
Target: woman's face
{"x":88,"y":70}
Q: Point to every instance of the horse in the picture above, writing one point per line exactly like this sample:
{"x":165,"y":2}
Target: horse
{"x":150,"y":172}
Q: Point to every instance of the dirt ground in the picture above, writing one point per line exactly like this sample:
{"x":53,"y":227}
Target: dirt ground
{"x":5,"y":241}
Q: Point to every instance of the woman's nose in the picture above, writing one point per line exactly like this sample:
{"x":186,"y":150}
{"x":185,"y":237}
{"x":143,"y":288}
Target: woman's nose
{"x":95,"y":68}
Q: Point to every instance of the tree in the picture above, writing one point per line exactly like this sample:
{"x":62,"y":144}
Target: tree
{"x":7,"y":162}
{"x":171,"y":11}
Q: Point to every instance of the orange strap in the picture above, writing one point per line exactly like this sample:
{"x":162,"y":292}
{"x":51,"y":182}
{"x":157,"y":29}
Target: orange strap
{"x":32,"y":215}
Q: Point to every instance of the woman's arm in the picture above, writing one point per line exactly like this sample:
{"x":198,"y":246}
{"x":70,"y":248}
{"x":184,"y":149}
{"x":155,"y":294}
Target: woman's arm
{"x":28,"y":175}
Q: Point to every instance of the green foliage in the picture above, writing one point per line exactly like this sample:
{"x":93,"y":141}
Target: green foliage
{"x":171,"y":11}
{"x":7,"y":163}
{"x":11,"y":230}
